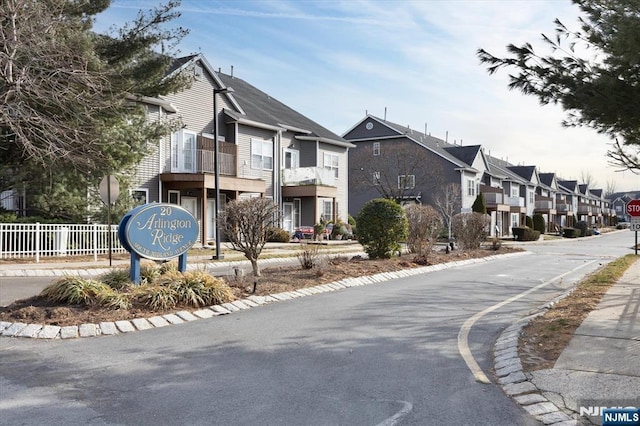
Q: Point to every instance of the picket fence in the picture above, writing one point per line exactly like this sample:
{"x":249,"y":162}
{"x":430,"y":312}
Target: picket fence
{"x":37,"y":240}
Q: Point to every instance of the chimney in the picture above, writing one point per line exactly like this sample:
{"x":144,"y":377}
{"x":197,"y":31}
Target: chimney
{"x":425,"y":128}
{"x":385,"y":113}
{"x":219,"y":70}
{"x":231,"y":71}
{"x":446,"y":138}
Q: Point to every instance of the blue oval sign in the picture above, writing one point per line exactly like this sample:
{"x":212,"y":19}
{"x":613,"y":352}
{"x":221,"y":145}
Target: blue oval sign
{"x":158,"y":231}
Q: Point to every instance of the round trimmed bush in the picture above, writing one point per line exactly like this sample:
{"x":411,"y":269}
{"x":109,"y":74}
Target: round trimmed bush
{"x":382,"y":225}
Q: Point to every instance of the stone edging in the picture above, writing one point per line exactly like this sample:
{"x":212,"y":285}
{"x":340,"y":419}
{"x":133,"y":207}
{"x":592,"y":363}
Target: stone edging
{"x":40,"y":331}
{"x":516,"y":384}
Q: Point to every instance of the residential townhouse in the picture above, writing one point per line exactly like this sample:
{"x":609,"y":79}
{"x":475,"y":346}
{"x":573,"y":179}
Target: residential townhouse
{"x":265,"y":149}
{"x":511,"y":192}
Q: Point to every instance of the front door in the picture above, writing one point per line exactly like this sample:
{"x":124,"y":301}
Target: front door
{"x":287,"y":217}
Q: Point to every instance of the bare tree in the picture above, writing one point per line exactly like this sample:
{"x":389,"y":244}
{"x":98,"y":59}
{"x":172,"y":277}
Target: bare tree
{"x":399,"y":173}
{"x":425,"y":224}
{"x":470,"y":229}
{"x":587,"y":178}
{"x":610,"y":188}
{"x":246,"y":222}
{"x":449,"y":202}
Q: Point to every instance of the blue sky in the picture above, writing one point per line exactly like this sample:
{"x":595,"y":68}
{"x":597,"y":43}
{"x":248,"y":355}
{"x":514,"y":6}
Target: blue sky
{"x":334,"y":61}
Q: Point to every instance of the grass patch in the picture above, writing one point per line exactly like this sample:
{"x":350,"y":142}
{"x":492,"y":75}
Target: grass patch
{"x":545,"y":337}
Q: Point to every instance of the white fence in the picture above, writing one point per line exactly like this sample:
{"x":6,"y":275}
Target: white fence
{"x":36,"y":240}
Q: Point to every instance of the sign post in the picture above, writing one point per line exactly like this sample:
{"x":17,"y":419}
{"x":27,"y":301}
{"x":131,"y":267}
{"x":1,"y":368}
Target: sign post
{"x":109,"y":191}
{"x":633,"y":210}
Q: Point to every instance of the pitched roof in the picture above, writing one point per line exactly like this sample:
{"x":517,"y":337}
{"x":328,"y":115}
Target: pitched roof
{"x":547,"y":178}
{"x":467,"y":154}
{"x":260,"y":107}
{"x":525,"y":172}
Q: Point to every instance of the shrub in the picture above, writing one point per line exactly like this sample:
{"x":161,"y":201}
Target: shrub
{"x":278,"y":235}
{"x":156,"y":297}
{"x":496,"y":244}
{"x":308,"y":256}
{"x":523,"y":233}
{"x":352,"y":225}
{"x":75,"y":291}
{"x":339,"y":230}
{"x":114,"y":300}
{"x":470,"y":229}
{"x":583,"y":227}
{"x":570,"y":233}
{"x":528,"y":222}
{"x":149,"y":273}
{"x":425,"y":224}
{"x":539,"y":223}
{"x":117,"y":279}
{"x":382,"y":224}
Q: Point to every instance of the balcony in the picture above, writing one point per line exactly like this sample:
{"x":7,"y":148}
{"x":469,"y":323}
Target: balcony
{"x":564,"y":208}
{"x":493,"y":197}
{"x":515,"y":201}
{"x":544,"y":204}
{"x":309,"y":182}
{"x":302,"y":176}
{"x":202,"y":160}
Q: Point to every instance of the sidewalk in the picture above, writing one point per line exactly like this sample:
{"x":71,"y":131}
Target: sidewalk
{"x":599,"y":368}
{"x":601,"y":365}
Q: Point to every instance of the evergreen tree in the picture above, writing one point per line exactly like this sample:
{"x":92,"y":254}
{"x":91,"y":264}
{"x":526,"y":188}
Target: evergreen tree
{"x":599,"y":89}
{"x":479,"y":205}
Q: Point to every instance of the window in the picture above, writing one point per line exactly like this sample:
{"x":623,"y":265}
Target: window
{"x":261,"y":154}
{"x":327,"y":209}
{"x":515,"y":191}
{"x":406,"y":181}
{"x":140,"y":196}
{"x":331,"y":162}
{"x":183,"y":152}
{"x":174,"y":197}
{"x":532,"y":197}
{"x":376,"y":148}
{"x":471,"y":188}
{"x":376,"y":178}
{"x":291,"y":159}
{"x":514,"y":220}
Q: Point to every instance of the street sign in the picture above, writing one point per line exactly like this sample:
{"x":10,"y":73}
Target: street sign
{"x":109,"y":189}
{"x":633,"y":208}
{"x":635,"y":226}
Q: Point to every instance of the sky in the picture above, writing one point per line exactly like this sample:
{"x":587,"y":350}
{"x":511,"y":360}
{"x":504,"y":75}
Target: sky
{"x":415,"y":61}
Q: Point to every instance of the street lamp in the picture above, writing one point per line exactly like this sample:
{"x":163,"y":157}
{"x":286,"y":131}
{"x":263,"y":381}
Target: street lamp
{"x":216,"y":167}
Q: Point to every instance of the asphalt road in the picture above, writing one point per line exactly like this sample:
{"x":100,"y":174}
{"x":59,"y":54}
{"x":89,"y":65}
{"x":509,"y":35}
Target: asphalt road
{"x":381,"y":354}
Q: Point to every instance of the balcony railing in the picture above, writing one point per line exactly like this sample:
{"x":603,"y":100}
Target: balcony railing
{"x":516,"y":201}
{"x":202,"y":161}
{"x":302,"y":176}
{"x":544,"y":204}
{"x":564,"y":207}
{"x":493,"y":197}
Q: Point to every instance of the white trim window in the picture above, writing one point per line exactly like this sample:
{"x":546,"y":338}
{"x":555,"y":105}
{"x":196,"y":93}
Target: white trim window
{"x":261,"y":154}
{"x":332,"y":162}
{"x":183,"y":151}
{"x":515,"y":190}
{"x":140,"y":196}
{"x":406,"y":181}
{"x":327,"y":209}
{"x":174,"y":197}
{"x":471,"y":187}
{"x":291,"y":158}
{"x":376,"y":148}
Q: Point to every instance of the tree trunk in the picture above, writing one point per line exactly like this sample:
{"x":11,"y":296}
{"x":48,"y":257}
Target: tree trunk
{"x":255,"y":267}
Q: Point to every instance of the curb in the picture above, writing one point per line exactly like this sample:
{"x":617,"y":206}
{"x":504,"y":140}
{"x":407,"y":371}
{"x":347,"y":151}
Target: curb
{"x":40,"y":331}
{"x":515,"y":382}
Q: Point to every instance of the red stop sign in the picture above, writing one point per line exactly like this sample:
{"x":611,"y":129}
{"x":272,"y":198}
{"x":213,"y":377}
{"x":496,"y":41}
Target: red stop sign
{"x":633,"y":208}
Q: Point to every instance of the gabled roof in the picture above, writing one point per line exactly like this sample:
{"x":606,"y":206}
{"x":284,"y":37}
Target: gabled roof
{"x":569,"y":185}
{"x":466,"y":154}
{"x":547,"y":178}
{"x":525,"y":172}
{"x":259,"y":107}
{"x":433,"y":144}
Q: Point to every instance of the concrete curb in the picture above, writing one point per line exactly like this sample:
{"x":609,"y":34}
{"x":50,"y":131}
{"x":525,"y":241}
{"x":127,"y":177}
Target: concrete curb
{"x":516,"y":383}
{"x":40,"y":331}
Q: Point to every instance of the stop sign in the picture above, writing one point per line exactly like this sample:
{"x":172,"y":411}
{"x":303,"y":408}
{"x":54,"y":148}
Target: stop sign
{"x":633,"y":208}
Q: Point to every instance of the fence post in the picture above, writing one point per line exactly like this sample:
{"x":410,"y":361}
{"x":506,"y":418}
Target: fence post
{"x":95,"y":242}
{"x":37,"y":231}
